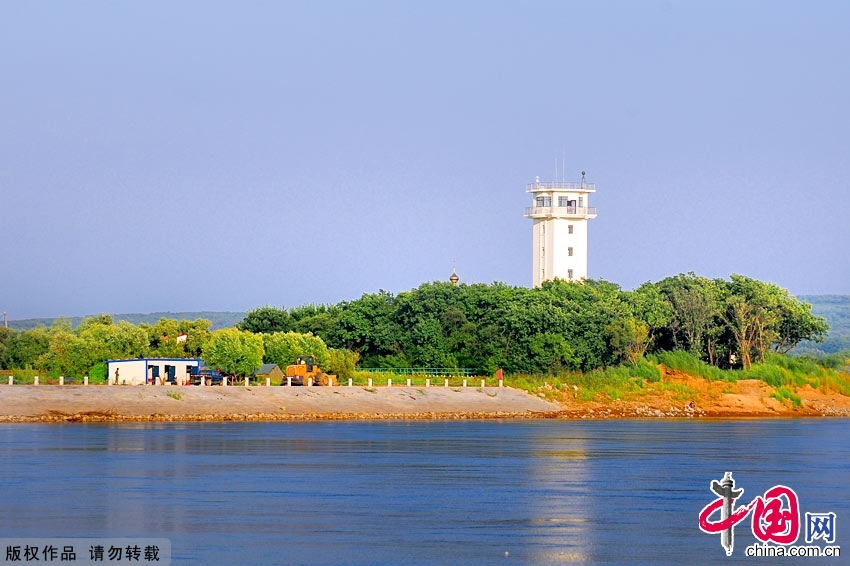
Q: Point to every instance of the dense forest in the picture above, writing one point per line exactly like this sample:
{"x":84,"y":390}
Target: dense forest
{"x":561,"y":326}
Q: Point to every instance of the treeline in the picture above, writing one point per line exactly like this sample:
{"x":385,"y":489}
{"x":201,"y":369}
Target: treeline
{"x":561,"y":326}
{"x":74,"y":351}
{"x":64,"y":350}
{"x":218,"y":319}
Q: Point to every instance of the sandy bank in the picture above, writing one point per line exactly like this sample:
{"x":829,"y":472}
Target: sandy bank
{"x":78,"y":403}
{"x":75,"y":403}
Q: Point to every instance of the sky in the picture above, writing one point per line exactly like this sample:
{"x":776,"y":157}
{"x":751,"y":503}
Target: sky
{"x":186,"y":156}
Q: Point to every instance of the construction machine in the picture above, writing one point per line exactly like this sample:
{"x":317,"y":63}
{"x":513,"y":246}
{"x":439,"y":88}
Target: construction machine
{"x":306,"y":371}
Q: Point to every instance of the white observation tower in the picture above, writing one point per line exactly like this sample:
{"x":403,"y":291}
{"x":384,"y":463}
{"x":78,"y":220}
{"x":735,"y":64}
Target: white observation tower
{"x":560,"y":213}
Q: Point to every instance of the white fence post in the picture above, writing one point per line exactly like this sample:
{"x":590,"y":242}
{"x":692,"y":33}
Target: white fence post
{"x":428,"y":382}
{"x":482,"y":384}
{"x":350,"y":381}
{"x":370,"y":382}
{"x":464,"y":383}
{"x":61,"y":380}
{"x":86,"y":380}
{"x":389,"y":382}
{"x":11,"y":380}
{"x":247,"y":381}
{"x":35,"y":380}
{"x":446,"y":382}
{"x":408,"y":382}
{"x":310,"y":382}
{"x":268,"y":382}
{"x":289,"y":381}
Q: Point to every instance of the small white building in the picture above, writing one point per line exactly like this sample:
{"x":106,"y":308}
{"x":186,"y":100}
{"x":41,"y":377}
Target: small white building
{"x":153,"y":371}
{"x":560,"y":213}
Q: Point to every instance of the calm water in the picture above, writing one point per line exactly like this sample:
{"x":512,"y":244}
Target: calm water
{"x":545,"y":492}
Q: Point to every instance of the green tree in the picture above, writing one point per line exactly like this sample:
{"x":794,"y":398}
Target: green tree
{"x":234,"y":351}
{"x":762,"y":316}
{"x":197,"y":333}
{"x":341,"y":362}
{"x":368,"y":326}
{"x":695,"y":312}
{"x":66,"y":354}
{"x":282,"y":348}
{"x":320,"y":320}
{"x":266,"y":320}
{"x":106,"y":341}
{"x":796,"y":324}
{"x":5,"y":336}
{"x":25,"y":349}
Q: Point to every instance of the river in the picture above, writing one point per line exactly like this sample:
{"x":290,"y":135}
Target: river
{"x":442,"y":492}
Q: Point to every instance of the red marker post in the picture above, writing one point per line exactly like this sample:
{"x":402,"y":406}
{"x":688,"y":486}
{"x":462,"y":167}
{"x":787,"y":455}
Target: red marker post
{"x":499,"y":376}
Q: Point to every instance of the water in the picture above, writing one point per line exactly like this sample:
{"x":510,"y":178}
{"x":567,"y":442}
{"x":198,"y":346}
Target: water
{"x":544,"y":492}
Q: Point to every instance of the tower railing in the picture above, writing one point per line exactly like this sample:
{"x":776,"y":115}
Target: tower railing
{"x":534,"y":211}
{"x":560,"y":186}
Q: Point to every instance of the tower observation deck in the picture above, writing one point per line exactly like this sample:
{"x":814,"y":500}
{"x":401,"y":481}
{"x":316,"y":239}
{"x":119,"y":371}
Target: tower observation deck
{"x":560,"y":212}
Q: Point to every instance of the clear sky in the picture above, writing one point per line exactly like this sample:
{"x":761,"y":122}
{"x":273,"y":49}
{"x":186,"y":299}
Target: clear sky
{"x":177,"y":156}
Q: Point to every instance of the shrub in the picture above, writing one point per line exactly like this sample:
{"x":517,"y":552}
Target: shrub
{"x":97,"y":374}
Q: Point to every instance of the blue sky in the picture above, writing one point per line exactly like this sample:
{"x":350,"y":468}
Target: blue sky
{"x":174,"y":156}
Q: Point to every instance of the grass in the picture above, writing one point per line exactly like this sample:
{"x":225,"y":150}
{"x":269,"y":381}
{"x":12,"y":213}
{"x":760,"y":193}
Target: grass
{"x":690,"y":364}
{"x":615,"y":383}
{"x":175,"y":395}
{"x":784,"y":394}
{"x":680,"y":391}
{"x":795,"y":372}
{"x":630,"y":381}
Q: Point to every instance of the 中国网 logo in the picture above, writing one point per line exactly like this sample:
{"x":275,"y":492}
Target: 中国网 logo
{"x":775,"y":518}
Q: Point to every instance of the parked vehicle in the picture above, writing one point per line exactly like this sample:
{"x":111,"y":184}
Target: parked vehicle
{"x":305,"y":371}
{"x":208,"y":376}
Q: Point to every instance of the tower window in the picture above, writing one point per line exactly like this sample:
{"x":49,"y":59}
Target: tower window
{"x":544,"y":201}
{"x":569,"y":251}
{"x":569,"y":274}
{"x":569,"y":228}
{"x":564,"y":201}
{"x":581,"y":202}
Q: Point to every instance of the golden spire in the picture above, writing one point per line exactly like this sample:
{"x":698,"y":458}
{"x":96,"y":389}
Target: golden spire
{"x":454,"y":278}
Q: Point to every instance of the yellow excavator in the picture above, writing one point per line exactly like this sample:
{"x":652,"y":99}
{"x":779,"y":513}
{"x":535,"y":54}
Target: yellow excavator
{"x":305,"y":371}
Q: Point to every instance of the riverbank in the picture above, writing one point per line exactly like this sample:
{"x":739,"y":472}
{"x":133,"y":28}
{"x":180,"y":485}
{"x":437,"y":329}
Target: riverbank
{"x":689,"y":398}
{"x":682,"y":395}
{"x":77,"y":403}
